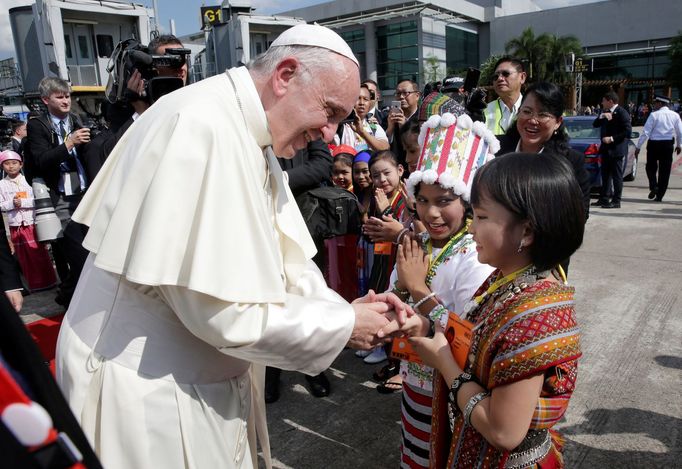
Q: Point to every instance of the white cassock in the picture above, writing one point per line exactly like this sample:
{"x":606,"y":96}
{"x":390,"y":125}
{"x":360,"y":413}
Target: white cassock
{"x":199,"y":274}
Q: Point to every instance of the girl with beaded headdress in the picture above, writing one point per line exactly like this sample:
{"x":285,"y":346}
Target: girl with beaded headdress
{"x":497,"y":410}
{"x":439,"y":270}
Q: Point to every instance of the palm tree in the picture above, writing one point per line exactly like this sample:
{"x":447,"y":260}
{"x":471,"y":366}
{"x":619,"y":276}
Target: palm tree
{"x":559,"y":48}
{"x":487,"y":69}
{"x":533,"y":49}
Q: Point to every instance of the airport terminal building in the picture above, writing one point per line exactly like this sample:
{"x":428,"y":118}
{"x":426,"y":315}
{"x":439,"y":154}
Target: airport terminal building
{"x":628,"y":39}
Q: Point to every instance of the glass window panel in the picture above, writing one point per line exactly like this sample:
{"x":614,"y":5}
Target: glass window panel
{"x":409,"y":38}
{"x":394,"y":54}
{"x":105,"y":45}
{"x":67,"y":43}
{"x":83,"y":51}
{"x":409,"y":53}
{"x":392,"y":41}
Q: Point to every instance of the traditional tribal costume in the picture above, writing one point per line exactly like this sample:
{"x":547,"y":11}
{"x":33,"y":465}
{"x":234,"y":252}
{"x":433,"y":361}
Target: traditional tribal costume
{"x":451,"y":154}
{"x":385,"y":252}
{"x":525,"y":328}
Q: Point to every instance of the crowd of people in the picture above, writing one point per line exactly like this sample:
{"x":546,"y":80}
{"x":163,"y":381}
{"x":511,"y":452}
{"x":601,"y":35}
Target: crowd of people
{"x":466,"y":213}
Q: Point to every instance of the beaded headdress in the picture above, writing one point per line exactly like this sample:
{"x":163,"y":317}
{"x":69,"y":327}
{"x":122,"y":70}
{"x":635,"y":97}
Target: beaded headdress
{"x":452,"y":149}
{"x":438,"y":103}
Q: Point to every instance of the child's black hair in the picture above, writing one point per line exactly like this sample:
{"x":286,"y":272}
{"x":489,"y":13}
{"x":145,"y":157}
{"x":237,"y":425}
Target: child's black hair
{"x":345,"y":158}
{"x":541,"y":190}
{"x":383,"y":155}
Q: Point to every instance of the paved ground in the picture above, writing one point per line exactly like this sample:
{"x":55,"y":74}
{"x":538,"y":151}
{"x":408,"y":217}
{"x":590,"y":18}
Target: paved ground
{"x":627,"y":410}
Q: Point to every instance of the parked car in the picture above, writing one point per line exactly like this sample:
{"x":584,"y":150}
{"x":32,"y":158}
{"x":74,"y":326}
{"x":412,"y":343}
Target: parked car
{"x":585,"y":139}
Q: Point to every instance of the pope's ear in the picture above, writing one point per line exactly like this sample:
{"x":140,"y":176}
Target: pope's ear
{"x":285,"y":72}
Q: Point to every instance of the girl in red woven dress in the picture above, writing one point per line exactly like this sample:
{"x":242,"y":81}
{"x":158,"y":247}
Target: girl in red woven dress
{"x":498,"y":409}
{"x":16,"y":201}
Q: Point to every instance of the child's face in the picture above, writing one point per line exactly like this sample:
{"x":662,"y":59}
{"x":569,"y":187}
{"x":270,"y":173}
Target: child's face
{"x":441,"y":211}
{"x":341,"y":174}
{"x":498,"y":233}
{"x":412,"y":150}
{"x":361,"y":177}
{"x":12,"y":167}
{"x":386,"y":176}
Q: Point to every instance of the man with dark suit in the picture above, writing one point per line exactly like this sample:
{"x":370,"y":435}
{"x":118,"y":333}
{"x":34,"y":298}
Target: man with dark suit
{"x":55,"y":145}
{"x":18,"y":134}
{"x":614,"y":122}
{"x":376,"y":115}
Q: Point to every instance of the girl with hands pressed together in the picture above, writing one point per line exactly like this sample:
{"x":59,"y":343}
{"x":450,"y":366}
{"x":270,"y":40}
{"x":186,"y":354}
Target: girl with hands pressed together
{"x":522,"y":365}
{"x":439,"y":271}
{"x":389,"y":202}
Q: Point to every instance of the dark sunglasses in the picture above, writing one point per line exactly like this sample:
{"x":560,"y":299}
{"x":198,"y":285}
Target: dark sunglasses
{"x":504,"y":73}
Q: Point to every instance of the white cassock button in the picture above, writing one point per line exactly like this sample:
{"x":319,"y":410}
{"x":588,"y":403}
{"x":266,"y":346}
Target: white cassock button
{"x":29,"y":423}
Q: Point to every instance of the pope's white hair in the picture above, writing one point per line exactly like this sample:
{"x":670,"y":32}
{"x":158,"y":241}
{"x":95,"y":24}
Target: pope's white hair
{"x":313,"y":59}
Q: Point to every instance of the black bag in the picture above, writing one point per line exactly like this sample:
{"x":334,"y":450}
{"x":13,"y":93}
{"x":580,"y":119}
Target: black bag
{"x":329,"y":211}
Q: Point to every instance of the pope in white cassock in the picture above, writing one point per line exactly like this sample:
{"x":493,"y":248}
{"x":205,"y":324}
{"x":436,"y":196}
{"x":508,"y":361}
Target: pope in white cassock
{"x":199,"y":270}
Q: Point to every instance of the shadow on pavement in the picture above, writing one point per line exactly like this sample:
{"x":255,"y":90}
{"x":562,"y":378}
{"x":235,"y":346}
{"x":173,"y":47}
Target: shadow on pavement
{"x":669,"y":361}
{"x":354,"y":427}
{"x":623,"y":438}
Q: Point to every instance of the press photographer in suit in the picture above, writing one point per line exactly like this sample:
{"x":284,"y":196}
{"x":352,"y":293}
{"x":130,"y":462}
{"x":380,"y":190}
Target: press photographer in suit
{"x":614,"y":122}
{"x":54,"y":151}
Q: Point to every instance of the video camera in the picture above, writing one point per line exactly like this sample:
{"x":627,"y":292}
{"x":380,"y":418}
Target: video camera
{"x":130,"y":55}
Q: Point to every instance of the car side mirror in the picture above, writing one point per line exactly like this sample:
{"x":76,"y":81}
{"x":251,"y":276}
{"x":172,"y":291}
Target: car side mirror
{"x":634,"y":135}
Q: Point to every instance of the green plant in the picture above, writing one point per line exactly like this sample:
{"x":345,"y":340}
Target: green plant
{"x":432,"y":69}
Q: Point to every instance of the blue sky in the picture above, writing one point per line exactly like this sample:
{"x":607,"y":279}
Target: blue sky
{"x":186,"y":14}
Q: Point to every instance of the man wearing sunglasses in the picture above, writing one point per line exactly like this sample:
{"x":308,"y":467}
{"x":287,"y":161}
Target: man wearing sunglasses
{"x":508,"y":79}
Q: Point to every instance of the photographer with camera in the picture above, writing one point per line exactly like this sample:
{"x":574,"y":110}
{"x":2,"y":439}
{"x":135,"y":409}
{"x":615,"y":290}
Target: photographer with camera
{"x":166,"y":59}
{"x":55,"y":145}
{"x":357,"y":131}
{"x":137,"y":85}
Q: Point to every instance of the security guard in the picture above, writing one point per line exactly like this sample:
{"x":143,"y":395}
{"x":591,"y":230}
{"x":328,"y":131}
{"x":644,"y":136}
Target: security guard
{"x":661,"y":129}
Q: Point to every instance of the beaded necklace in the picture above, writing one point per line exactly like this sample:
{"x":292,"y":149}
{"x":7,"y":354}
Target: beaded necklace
{"x":445,"y":253}
{"x":512,"y":285}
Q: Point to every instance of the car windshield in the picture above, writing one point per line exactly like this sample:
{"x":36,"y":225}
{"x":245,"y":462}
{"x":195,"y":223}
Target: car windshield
{"x":581,"y":129}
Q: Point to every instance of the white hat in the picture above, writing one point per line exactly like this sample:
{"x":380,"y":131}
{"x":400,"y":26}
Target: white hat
{"x":452,"y":149}
{"x":314,"y":35}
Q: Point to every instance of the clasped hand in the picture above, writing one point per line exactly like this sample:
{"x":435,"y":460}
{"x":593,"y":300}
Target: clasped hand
{"x":375,"y":314}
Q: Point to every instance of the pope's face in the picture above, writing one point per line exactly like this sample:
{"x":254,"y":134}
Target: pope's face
{"x":312,"y":109}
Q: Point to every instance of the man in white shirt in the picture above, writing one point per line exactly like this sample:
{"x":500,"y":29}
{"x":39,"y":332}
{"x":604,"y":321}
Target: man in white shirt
{"x":508,"y":79}
{"x":200,"y":269}
{"x":662,"y":127}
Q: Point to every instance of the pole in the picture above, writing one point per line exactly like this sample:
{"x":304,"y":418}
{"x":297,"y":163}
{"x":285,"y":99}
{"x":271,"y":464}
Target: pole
{"x":578,"y":92}
{"x":653,"y":71}
{"x":155,"y":7}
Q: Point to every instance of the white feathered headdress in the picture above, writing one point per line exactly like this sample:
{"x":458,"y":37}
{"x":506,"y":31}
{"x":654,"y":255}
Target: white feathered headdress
{"x":452,"y":149}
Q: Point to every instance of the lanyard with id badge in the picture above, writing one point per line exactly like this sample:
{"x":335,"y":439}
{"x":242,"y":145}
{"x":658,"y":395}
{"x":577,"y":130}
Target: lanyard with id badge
{"x":70,"y":179}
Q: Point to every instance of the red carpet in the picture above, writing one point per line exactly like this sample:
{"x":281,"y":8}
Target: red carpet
{"x":45,"y":332}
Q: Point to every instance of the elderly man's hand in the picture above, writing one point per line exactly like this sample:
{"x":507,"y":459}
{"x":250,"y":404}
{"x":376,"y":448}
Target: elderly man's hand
{"x":374,"y":312}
